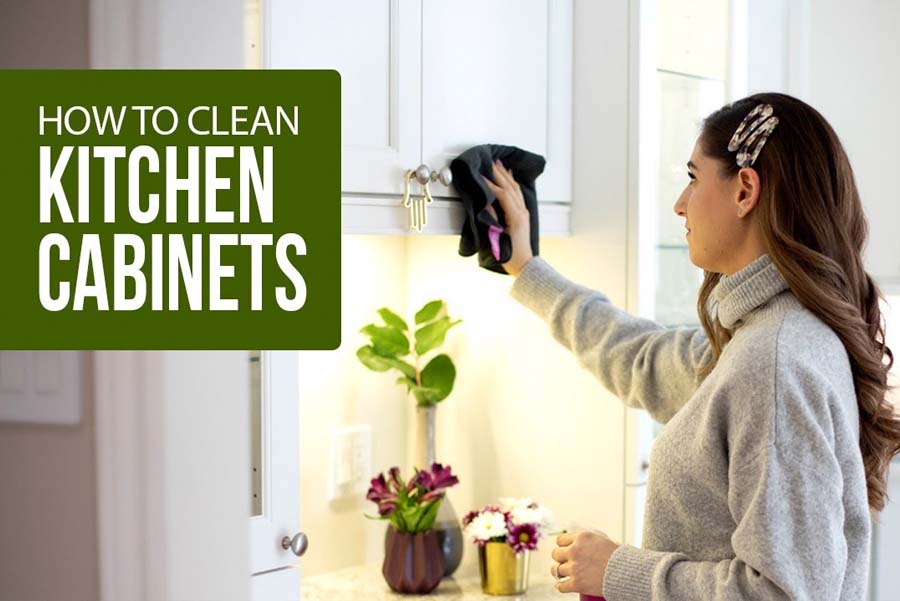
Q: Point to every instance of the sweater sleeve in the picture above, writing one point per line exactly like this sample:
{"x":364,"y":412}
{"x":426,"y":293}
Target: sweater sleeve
{"x":785,"y":497}
{"x":639,"y":360}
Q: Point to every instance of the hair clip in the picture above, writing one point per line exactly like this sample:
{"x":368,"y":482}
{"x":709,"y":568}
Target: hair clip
{"x":748,"y":141}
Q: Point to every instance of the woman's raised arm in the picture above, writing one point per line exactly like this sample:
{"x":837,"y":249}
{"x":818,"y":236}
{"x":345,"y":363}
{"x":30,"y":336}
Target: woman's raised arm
{"x":639,"y":360}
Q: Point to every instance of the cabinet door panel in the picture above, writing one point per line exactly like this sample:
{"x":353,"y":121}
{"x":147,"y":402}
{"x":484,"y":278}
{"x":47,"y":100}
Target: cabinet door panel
{"x":375,"y":46}
{"x":854,"y":46}
{"x":498,"y":72}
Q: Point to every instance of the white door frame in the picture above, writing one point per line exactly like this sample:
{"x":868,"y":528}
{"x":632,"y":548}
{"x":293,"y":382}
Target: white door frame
{"x":171,"y":427}
{"x":129,"y":505}
{"x":173,"y":490}
{"x":280,"y":480}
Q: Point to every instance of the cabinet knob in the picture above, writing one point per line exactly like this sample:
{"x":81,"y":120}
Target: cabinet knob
{"x":444,"y":175}
{"x":424,"y":174}
{"x":298,"y":544}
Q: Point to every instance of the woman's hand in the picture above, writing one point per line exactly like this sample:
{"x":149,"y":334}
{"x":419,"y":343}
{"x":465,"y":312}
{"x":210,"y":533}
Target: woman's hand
{"x":582,"y":556}
{"x":518,"y":222}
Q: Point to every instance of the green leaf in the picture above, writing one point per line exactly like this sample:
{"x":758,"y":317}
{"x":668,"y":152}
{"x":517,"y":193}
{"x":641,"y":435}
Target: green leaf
{"x":425,"y":395}
{"x":368,"y":357}
{"x":427,"y":516}
{"x":408,"y":370}
{"x":392,"y":319}
{"x":408,"y":382}
{"x":432,"y":335}
{"x":397,"y":520}
{"x":387,"y":341}
{"x":439,"y":375}
{"x":376,"y":362}
{"x":429,"y":311}
{"x":408,"y":516}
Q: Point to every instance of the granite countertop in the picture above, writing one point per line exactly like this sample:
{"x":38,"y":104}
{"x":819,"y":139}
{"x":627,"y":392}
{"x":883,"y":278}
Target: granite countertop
{"x":366,"y":582}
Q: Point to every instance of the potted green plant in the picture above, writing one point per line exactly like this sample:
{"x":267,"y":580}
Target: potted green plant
{"x":413,"y":562}
{"x":428,"y":376}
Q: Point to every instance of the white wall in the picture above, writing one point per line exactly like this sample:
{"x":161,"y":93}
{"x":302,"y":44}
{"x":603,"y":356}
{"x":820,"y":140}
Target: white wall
{"x":337,"y":390}
{"x":524,"y":418}
{"x":520,"y":403}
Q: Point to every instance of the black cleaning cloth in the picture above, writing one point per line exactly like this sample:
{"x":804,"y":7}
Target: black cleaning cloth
{"x":481,"y":233}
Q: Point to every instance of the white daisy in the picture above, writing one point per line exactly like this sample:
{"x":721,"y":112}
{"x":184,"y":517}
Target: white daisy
{"x":527,"y":515}
{"x":510,"y":503}
{"x":541,"y":517}
{"x":486,"y":526}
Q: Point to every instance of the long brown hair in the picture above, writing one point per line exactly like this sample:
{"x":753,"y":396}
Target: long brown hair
{"x":813,"y":227}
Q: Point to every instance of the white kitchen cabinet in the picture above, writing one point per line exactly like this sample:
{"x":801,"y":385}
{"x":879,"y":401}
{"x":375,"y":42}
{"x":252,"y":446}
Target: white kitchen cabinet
{"x":500,"y":72}
{"x":423,"y":81}
{"x":884,"y":579}
{"x":376,"y":47}
{"x":844,"y":59}
{"x":856,"y":47}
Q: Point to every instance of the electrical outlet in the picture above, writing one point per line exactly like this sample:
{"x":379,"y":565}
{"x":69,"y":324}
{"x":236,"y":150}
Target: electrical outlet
{"x":351,"y":462}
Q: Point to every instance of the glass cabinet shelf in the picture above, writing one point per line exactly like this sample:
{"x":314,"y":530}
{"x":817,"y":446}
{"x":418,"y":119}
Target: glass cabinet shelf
{"x":684,"y":100}
{"x":688,"y":75}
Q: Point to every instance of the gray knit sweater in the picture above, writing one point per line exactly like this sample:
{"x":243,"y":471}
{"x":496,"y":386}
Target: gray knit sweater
{"x":756,"y":487}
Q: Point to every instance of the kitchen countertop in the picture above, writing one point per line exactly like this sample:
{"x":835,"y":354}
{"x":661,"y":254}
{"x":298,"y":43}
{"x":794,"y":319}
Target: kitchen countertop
{"x":366,"y":582}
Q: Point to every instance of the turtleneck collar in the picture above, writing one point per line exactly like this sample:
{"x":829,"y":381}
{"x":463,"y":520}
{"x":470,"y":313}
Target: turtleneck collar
{"x":740,"y":293}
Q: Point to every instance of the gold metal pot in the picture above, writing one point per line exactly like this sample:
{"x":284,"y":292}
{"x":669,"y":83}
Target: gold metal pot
{"x":502,"y":571}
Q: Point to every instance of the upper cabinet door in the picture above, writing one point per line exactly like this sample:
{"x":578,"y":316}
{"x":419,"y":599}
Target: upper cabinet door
{"x":375,"y":46}
{"x":499,"y":72}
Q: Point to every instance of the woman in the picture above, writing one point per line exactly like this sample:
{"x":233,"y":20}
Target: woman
{"x":778,"y":434}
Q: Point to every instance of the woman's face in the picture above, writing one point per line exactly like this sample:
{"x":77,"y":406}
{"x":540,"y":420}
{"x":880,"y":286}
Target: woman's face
{"x":716,"y":214}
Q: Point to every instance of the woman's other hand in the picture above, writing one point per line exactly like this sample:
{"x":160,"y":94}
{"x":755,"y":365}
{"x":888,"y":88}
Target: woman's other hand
{"x":582,"y":559}
{"x":518,"y":222}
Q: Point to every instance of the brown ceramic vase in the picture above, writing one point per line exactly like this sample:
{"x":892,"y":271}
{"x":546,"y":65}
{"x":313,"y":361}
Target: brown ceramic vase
{"x":412,"y":562}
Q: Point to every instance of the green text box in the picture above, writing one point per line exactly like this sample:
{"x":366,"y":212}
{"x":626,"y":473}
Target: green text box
{"x":304,"y":191}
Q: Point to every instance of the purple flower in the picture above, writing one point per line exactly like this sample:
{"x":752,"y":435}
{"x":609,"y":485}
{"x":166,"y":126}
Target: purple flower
{"x":378,"y":491}
{"x":467,"y":519}
{"x":412,"y":498}
{"x":424,"y":480}
{"x":386,"y":507}
{"x":442,"y":477}
{"x":413,"y":484}
{"x":522,"y":538}
{"x":431,"y":495}
{"x":394,"y":475}
{"x":380,"y":494}
{"x":438,"y":478}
